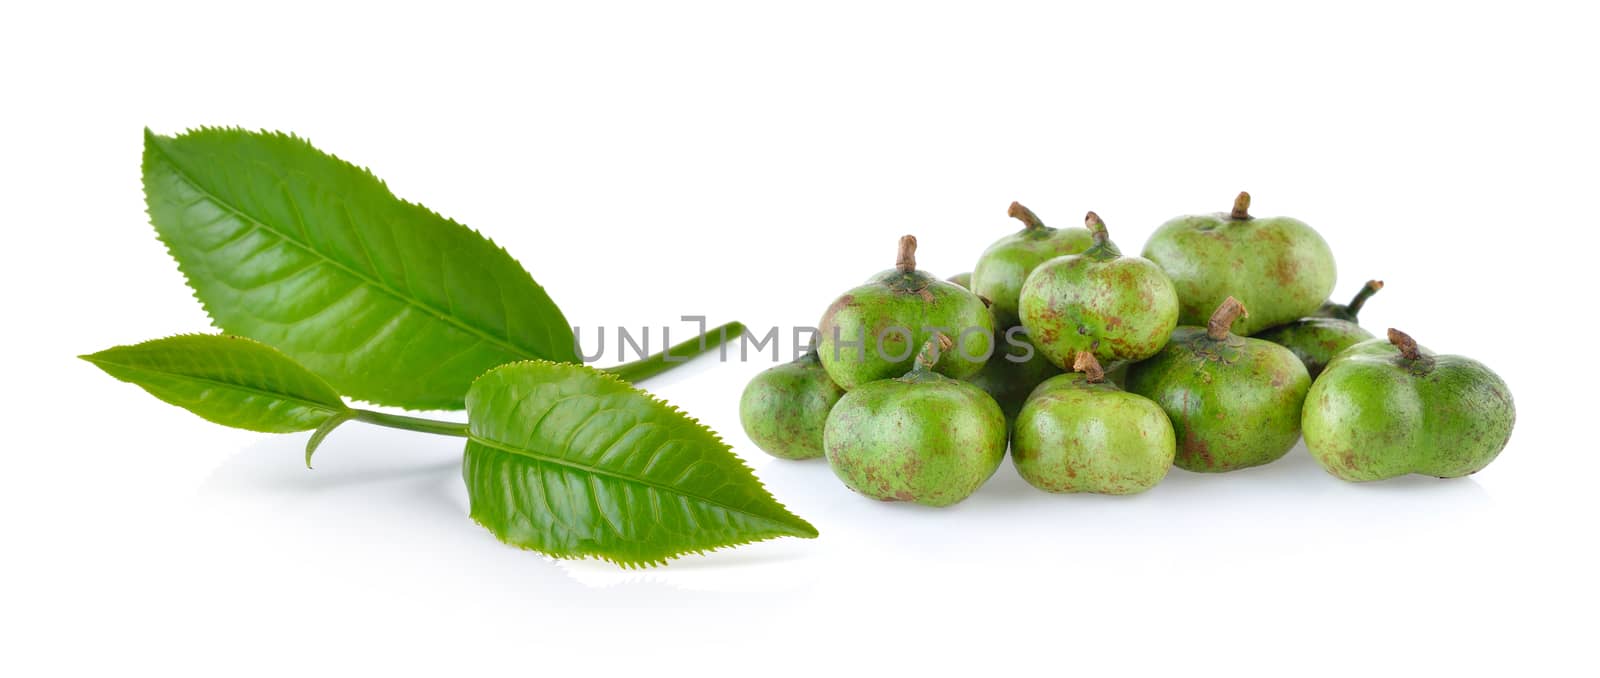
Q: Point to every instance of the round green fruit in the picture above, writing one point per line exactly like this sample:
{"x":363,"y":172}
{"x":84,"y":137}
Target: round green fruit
{"x":1316,"y":340}
{"x":1013,"y":371}
{"x":1003,"y":267}
{"x":1277,"y":266}
{"x":1234,"y":401}
{"x":1116,"y":307}
{"x":1080,"y":433}
{"x":923,"y":437}
{"x":1386,"y":408}
{"x":963,"y":280}
{"x":785,"y":408}
{"x":874,"y":331}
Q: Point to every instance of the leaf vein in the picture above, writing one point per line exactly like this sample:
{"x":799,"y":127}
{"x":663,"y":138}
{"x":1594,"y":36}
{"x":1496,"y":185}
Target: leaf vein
{"x":661,"y":487}
{"x":213,"y":198}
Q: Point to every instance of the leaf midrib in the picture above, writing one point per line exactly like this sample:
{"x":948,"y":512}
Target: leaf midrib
{"x":330,"y":409}
{"x":502,"y":447}
{"x":366,"y":280}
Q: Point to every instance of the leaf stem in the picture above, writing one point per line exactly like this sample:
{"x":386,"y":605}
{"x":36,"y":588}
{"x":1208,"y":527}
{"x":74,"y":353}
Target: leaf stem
{"x":1222,"y":320}
{"x":1100,"y":248}
{"x":645,"y":368}
{"x":399,"y":421}
{"x":1089,"y":366}
{"x":1406,"y":345}
{"x":1097,"y":228}
{"x":929,"y":355}
{"x":906,"y":258}
{"x":1241,"y":207}
{"x":1030,"y":221}
{"x":1361,"y":298}
{"x":405,"y":423}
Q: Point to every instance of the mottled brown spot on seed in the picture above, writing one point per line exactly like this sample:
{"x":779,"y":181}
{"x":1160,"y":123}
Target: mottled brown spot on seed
{"x":833,"y":309}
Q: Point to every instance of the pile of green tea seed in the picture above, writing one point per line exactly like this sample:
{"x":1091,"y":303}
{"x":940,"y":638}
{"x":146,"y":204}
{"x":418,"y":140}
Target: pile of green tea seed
{"x":1214,"y":350}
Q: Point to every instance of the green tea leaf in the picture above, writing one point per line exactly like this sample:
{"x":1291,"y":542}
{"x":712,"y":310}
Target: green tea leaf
{"x":573,"y":462}
{"x":232,"y":381}
{"x":388,"y":301}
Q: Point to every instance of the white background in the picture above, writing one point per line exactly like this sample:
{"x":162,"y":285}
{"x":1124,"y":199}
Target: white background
{"x":748,"y":163}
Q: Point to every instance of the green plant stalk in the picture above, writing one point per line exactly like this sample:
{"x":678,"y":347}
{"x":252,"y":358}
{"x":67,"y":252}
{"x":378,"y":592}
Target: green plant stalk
{"x":399,"y":421}
{"x":638,"y":370}
{"x":629,"y":372}
{"x":405,"y":423}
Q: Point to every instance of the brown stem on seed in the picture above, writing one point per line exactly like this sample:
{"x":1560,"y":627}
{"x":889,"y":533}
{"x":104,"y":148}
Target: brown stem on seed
{"x":1089,"y":366}
{"x":930,"y":354}
{"x":1222,"y":320}
{"x":906,"y":261}
{"x":1097,"y":228}
{"x":1361,"y":298}
{"x":1030,"y":221}
{"x":1241,"y":206}
{"x":1404,"y":342}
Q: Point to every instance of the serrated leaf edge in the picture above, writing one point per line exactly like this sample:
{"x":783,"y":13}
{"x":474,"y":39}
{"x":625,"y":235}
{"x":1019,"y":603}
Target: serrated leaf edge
{"x":674,"y":409}
{"x":635,"y":564}
{"x":503,"y":343}
{"x":97,"y":361}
